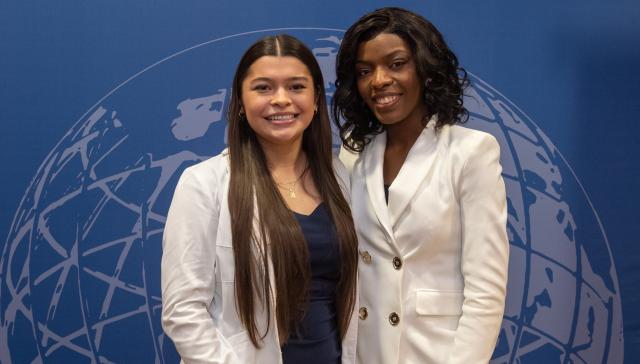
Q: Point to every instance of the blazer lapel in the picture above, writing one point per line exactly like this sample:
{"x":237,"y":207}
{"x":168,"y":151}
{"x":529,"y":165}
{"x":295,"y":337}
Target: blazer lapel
{"x":373,"y":160}
{"x":413,"y":172}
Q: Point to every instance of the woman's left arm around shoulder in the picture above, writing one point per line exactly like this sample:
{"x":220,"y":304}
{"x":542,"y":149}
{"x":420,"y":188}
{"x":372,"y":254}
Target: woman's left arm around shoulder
{"x":485,"y":251}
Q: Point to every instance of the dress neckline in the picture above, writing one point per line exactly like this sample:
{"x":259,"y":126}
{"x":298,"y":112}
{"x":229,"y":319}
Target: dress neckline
{"x":315,"y":209}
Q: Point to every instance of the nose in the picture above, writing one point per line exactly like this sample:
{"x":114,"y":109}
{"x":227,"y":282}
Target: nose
{"x":380,"y":78}
{"x":280,"y":97}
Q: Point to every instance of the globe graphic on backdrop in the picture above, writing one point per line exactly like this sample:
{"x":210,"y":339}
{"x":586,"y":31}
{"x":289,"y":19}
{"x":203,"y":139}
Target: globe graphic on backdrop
{"x":79,"y":274}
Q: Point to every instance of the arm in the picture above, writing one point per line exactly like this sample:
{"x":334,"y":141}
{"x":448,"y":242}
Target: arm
{"x":350,"y":339}
{"x":188,"y":279}
{"x":348,"y":158}
{"x":343,"y":176}
{"x":485,"y":252}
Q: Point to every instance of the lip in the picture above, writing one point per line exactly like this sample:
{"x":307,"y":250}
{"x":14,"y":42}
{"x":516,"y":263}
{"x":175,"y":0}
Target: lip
{"x":393,"y":100}
{"x":288,"y":118}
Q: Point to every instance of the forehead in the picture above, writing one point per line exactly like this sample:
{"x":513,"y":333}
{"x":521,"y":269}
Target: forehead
{"x":277,"y":67}
{"x":381,"y":46}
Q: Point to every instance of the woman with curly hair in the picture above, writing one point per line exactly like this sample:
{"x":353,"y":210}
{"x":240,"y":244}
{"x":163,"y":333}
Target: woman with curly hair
{"x":428,"y":199}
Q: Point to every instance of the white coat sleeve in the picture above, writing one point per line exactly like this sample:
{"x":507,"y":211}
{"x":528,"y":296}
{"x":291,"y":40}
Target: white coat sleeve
{"x":351,"y":337}
{"x":187,"y":271}
{"x":343,"y":177}
{"x":348,"y":158}
{"x":485,"y":253}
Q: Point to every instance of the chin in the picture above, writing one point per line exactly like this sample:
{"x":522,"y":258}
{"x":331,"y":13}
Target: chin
{"x":386,"y":120}
{"x":282,"y":139}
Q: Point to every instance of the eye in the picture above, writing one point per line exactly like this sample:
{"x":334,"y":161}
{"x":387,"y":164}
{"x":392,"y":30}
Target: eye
{"x":361,"y":72}
{"x":261,"y":87}
{"x":298,"y":87}
{"x":397,"y":63}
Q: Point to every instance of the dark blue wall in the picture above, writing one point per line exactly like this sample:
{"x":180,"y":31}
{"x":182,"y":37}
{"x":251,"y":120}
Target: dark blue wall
{"x":570,"y":66}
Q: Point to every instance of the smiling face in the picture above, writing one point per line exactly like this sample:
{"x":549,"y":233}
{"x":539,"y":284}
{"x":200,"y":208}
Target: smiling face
{"x":278,"y":98}
{"x":388,"y":81}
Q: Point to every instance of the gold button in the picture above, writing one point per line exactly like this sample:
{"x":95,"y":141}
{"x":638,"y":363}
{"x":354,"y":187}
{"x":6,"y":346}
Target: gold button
{"x":366,"y":257}
{"x":394,"y":319}
{"x":397,"y":263}
{"x":363,"y":313}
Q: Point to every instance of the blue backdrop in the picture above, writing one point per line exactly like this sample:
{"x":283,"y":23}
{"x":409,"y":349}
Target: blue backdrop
{"x":102,"y":105}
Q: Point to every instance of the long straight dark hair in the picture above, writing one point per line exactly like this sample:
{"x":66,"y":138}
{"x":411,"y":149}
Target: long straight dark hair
{"x":276,"y":242}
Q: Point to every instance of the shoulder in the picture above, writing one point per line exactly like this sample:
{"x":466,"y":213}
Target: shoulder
{"x":463,"y":136}
{"x":211,"y":168}
{"x":208,"y":174}
{"x":468,"y":142}
{"x":342,"y":174}
{"x":198,"y":191}
{"x":348,"y":158}
{"x":353,"y":161}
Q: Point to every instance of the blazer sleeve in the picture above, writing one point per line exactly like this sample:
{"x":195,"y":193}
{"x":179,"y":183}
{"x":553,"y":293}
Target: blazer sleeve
{"x":351,"y":337}
{"x":485,"y":252}
{"x":187,"y":271}
{"x":343,"y":178}
{"x":348,"y":158}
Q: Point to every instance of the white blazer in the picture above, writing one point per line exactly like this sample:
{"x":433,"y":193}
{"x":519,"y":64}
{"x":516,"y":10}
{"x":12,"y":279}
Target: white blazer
{"x":434,"y":261}
{"x":198,"y":289}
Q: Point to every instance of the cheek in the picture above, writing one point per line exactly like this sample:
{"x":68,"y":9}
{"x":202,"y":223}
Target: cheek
{"x":306,"y":102}
{"x":253,"y":105}
{"x":246,"y":103}
{"x":362,"y":89}
{"x":415,"y":83}
{"x":413,"y":88}
{"x":254,"y":125}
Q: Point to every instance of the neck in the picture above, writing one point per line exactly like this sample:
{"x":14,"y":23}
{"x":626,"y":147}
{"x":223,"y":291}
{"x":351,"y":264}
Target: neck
{"x":405,"y":133}
{"x":284,"y":161}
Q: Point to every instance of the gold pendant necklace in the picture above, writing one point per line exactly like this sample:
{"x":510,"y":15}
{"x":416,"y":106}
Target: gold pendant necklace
{"x":290,"y":186}
{"x":292,"y":193}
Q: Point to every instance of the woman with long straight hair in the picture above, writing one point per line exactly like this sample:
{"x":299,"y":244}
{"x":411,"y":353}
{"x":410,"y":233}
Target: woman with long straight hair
{"x":259,"y":251}
{"x":427,"y":196}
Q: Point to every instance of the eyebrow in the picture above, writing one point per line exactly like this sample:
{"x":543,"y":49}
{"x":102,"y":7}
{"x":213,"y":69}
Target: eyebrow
{"x":294,"y":78}
{"x":390,"y":55}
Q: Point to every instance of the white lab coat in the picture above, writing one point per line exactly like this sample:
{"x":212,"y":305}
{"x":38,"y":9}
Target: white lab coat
{"x":198,"y":289}
{"x":445,"y":225}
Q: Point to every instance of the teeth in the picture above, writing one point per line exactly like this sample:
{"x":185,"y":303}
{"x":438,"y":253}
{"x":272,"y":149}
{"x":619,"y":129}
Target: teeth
{"x":385,"y":99}
{"x":281,"y":117}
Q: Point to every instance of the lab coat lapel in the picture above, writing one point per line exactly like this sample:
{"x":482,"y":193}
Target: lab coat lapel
{"x":415,"y":169}
{"x":373,"y":160}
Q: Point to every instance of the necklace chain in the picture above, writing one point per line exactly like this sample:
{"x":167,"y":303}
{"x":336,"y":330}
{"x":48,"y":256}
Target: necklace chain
{"x":290,"y":186}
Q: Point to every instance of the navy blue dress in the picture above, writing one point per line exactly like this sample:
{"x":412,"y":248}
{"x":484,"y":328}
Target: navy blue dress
{"x":319,"y":339}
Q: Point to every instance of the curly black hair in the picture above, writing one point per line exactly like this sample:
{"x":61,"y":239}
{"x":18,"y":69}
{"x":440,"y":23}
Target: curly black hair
{"x":436,"y":66}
